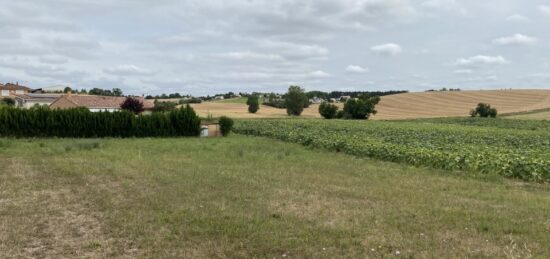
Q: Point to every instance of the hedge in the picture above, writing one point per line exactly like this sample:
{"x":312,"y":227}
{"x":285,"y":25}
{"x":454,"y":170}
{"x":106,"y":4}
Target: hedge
{"x":81,"y":123}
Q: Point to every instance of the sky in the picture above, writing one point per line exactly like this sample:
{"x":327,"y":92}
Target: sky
{"x":214,"y":46}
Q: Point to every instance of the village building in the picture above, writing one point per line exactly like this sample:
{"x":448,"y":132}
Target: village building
{"x":96,"y":103}
{"x":30,"y":100}
{"x":9,"y":90}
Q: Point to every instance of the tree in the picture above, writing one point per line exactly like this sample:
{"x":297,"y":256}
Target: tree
{"x":133,"y":105}
{"x":164,"y":106}
{"x":484,"y":110}
{"x":117,"y":92}
{"x":67,"y":90}
{"x":361,"y":108}
{"x":253,"y":103}
{"x":226,"y":125}
{"x":295,"y":101}
{"x":328,"y":111}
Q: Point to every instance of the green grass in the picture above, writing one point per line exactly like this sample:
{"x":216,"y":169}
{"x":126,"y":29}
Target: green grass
{"x":252,"y":197}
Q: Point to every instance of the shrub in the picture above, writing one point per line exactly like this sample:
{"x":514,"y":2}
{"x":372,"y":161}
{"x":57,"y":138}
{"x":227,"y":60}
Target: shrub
{"x":7,"y":102}
{"x":484,"y":110}
{"x":253,"y":104}
{"x":133,"y":105}
{"x":328,"y":111}
{"x":295,"y":101}
{"x":226,"y":125}
{"x":361,"y":108}
{"x":164,"y":106}
{"x":81,"y":123}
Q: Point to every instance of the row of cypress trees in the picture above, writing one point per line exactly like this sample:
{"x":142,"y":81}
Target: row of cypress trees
{"x":81,"y":123}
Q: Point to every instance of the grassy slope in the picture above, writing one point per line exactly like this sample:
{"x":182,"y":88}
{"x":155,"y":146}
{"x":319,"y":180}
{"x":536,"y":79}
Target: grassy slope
{"x":252,"y":197}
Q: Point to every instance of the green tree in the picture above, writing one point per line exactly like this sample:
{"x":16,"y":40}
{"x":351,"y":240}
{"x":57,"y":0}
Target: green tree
{"x":327,"y":110}
{"x":67,"y":90}
{"x":253,"y":103}
{"x":295,"y":101}
{"x":484,"y":110}
{"x":226,"y":125}
{"x":7,"y":102}
{"x":117,"y":92}
{"x":361,"y":108}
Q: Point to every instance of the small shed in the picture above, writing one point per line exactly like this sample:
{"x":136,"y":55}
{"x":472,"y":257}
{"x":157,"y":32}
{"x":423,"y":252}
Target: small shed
{"x":210,"y":130}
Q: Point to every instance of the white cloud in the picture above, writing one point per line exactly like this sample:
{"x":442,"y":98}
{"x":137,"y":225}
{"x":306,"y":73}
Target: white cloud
{"x":389,"y":49}
{"x":357,"y":69}
{"x":482,"y":60}
{"x":517,"y":39}
{"x":463,"y":71}
{"x":249,"y":55}
{"x":445,"y":5}
{"x":544,"y":9}
{"x":517,"y":18}
{"x":319,"y":74}
{"x":127,"y":70}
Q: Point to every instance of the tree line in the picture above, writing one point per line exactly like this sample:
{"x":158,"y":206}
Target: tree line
{"x":81,"y":123}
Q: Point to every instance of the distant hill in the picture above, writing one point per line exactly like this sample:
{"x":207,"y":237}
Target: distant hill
{"x":446,"y":104}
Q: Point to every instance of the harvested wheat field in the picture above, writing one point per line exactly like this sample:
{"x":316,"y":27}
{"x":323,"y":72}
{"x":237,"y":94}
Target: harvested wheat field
{"x":408,"y":105}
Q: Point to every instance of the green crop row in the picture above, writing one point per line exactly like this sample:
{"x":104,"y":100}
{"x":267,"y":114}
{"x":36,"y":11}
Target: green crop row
{"x":509,"y":152}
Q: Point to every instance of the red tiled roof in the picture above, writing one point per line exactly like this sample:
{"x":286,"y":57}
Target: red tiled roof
{"x":10,"y":86}
{"x":96,"y":101}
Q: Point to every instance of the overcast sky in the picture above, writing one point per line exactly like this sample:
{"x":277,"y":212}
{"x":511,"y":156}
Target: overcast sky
{"x":213,"y":46}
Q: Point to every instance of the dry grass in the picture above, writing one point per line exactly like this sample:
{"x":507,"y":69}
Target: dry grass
{"x":409,"y":105}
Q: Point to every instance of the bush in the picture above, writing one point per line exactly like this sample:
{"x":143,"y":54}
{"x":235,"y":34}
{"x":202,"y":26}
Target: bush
{"x":484,"y":110}
{"x":164,"y":106}
{"x":328,"y":111}
{"x":81,"y":123}
{"x":7,"y":102}
{"x":253,"y":104}
{"x":295,"y":101}
{"x":133,"y":105}
{"x":361,"y":108}
{"x":226,"y":125}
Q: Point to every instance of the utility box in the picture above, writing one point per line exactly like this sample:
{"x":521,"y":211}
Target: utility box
{"x":204,"y":131}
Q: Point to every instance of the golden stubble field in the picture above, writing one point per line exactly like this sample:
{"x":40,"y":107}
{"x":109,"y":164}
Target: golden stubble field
{"x":408,"y":105}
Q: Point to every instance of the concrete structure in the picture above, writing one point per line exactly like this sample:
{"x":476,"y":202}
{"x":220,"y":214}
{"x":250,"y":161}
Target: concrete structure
{"x":95,"y":103}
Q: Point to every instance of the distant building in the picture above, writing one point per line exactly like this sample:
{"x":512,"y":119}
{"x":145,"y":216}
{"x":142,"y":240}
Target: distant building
{"x":95,"y":103}
{"x":51,"y":89}
{"x":10,"y":90}
{"x":316,"y":100}
{"x":29,"y":100}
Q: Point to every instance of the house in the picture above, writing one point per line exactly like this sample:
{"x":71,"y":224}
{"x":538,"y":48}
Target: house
{"x":316,"y":100}
{"x":10,"y":90}
{"x":51,"y":89}
{"x":29,"y":100}
{"x":95,"y":103}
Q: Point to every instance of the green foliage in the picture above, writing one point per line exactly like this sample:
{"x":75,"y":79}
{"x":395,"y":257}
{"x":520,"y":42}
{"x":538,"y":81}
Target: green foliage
{"x":7,"y":102}
{"x":484,"y":110}
{"x":295,"y":101}
{"x":487,"y":150}
{"x":133,"y":105}
{"x":164,"y":106}
{"x":361,"y":108}
{"x":226,"y":125}
{"x":67,"y":90}
{"x":81,"y":123}
{"x":253,"y":103}
{"x":328,"y":111}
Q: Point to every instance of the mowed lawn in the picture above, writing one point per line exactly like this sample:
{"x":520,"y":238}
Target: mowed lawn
{"x":252,"y":197}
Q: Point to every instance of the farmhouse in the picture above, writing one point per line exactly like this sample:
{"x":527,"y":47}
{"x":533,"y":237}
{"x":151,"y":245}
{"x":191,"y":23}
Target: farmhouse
{"x":29,"y":100}
{"x":95,"y":103}
{"x":10,"y":90}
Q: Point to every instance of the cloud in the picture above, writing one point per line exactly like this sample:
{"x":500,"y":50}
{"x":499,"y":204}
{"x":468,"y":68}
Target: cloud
{"x":248,"y":55}
{"x":463,"y":71}
{"x":544,"y":9}
{"x":445,"y":5}
{"x":319,"y":74}
{"x":127,"y":70}
{"x":517,"y":18}
{"x":356,"y":69}
{"x":389,"y":49}
{"x":482,"y":60}
{"x":517,"y":39}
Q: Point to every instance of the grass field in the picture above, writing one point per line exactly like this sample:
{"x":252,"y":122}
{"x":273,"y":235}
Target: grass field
{"x":406,"y":106}
{"x":252,"y":197}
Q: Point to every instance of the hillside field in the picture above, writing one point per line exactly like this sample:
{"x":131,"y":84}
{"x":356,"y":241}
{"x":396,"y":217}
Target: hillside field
{"x":250,"y":197}
{"x":407,"y":106}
